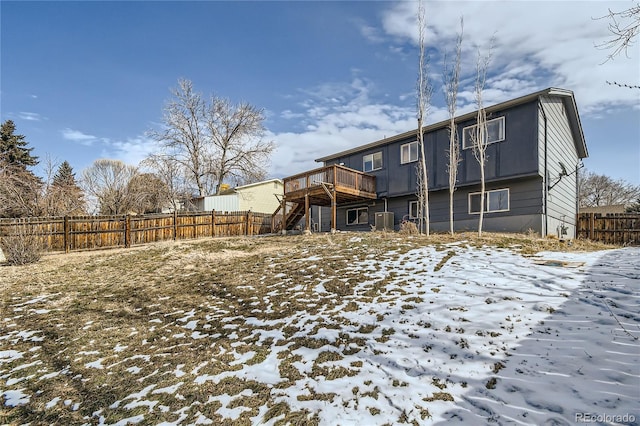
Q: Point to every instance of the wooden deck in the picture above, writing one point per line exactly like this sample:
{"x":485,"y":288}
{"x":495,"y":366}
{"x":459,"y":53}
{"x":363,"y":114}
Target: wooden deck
{"x":326,"y":186}
{"x":349,"y":185}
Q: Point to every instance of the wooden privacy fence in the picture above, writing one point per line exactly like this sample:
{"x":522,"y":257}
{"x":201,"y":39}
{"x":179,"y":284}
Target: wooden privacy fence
{"x":610,"y":228}
{"x":70,"y":233}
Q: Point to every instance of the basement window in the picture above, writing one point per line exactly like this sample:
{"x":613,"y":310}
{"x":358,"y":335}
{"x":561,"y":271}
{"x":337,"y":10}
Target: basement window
{"x":409,"y":152}
{"x":358,"y":216}
{"x":494,"y":201}
{"x":372,"y":162}
{"x":495,"y":132}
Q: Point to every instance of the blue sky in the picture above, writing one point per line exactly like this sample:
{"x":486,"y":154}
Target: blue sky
{"x":88,"y":80}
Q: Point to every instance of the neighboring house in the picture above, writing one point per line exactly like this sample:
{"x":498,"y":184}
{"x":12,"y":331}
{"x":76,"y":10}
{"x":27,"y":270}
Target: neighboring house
{"x":259,"y":197}
{"x":536,"y":144}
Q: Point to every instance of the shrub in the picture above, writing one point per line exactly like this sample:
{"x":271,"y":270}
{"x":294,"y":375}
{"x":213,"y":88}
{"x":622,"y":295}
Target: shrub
{"x":21,"y":246}
{"x":408,"y":228}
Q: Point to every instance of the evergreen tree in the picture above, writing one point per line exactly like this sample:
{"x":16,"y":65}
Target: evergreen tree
{"x":65,"y":175}
{"x":64,"y":196}
{"x":13,"y":148}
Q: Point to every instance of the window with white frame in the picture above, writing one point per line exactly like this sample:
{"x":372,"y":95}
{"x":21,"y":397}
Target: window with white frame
{"x":413,"y":209}
{"x":358,"y":216}
{"x":372,"y":162}
{"x":494,"y":201}
{"x":409,"y":152}
{"x":495,"y":133}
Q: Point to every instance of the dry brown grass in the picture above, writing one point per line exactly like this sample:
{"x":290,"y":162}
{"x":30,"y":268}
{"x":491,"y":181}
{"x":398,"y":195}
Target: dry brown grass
{"x":96,"y":327}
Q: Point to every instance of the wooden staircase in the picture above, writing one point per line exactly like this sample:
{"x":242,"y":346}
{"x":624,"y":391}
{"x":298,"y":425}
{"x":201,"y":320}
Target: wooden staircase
{"x":294,"y":216}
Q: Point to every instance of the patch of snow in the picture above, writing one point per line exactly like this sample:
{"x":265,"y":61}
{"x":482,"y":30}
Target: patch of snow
{"x":9,"y":355}
{"x":14,"y":398}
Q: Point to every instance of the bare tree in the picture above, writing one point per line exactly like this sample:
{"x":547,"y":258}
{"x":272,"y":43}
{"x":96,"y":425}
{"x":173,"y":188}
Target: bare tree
{"x":147,"y":193}
{"x":451,"y":84}
{"x":624,"y":27}
{"x":20,"y":191}
{"x":424,"y":98}
{"x":108,"y":182}
{"x":237,"y":134}
{"x":479,"y":133}
{"x":596,"y":190}
{"x":213,"y":141}
{"x":169,"y":171}
{"x":183,"y":138}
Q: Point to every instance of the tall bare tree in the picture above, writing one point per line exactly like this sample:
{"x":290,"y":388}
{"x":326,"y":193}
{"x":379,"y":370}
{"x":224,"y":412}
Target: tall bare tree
{"x":108,"y":183}
{"x":236,"y":131}
{"x":183,"y":138}
{"x":451,"y":85}
{"x":479,"y":134}
{"x":424,"y":99}
{"x":213,"y":141}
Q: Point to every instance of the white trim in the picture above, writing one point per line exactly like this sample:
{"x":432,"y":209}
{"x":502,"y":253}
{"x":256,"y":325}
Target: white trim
{"x":409,"y":145}
{"x":500,"y":138}
{"x":486,"y":200}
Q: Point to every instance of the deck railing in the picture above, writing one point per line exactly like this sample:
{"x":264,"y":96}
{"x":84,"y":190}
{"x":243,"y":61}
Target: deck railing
{"x":340,"y":176}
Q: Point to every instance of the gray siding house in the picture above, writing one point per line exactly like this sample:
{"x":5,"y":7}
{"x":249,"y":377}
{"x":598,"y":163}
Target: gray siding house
{"x":535,"y":150}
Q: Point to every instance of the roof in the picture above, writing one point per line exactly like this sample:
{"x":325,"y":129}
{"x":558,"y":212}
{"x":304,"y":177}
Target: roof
{"x":240,"y":188}
{"x":566,"y":95}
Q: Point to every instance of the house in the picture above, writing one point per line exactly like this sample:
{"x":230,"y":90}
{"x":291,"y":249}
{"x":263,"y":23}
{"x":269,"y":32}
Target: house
{"x":259,"y":197}
{"x":535,"y":148}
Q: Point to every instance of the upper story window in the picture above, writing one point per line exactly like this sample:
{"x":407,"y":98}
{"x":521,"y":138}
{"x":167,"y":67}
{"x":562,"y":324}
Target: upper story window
{"x":494,"y":201}
{"x":372,"y":162}
{"x":495,"y":132}
{"x":409,"y":152}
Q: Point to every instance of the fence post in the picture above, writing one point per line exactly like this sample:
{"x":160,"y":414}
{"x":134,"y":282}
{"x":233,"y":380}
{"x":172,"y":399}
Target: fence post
{"x":213,"y":223}
{"x":66,"y":234}
{"x":127,"y":231}
{"x":247,"y":230}
{"x":175,"y":224}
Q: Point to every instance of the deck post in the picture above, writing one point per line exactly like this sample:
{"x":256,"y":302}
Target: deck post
{"x":334,"y":214}
{"x":283,"y":209}
{"x":307,"y":218}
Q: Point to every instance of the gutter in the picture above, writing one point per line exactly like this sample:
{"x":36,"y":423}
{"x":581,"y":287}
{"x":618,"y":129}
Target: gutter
{"x":546,"y":172}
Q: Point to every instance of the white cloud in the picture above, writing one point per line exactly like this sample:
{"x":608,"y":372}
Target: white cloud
{"x":339,"y":116}
{"x":132,"y":150}
{"x":537,"y":44}
{"x":30,"y":116}
{"x":78,"y":136}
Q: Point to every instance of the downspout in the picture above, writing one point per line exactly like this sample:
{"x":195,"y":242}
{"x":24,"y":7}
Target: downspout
{"x":546,"y":173}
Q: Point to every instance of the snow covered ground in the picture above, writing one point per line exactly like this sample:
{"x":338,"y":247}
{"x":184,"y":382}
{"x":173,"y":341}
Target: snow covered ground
{"x":431,"y":335}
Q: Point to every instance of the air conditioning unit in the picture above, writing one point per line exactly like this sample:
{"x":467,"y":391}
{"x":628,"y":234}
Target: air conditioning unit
{"x":384,"y":221}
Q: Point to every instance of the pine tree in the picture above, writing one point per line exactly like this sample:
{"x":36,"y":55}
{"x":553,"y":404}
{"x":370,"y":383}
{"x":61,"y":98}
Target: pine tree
{"x":13,"y":148}
{"x":65,"y":175}
{"x":64,"y":195}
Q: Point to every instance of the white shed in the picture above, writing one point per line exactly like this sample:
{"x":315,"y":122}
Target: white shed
{"x":259,"y":197}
